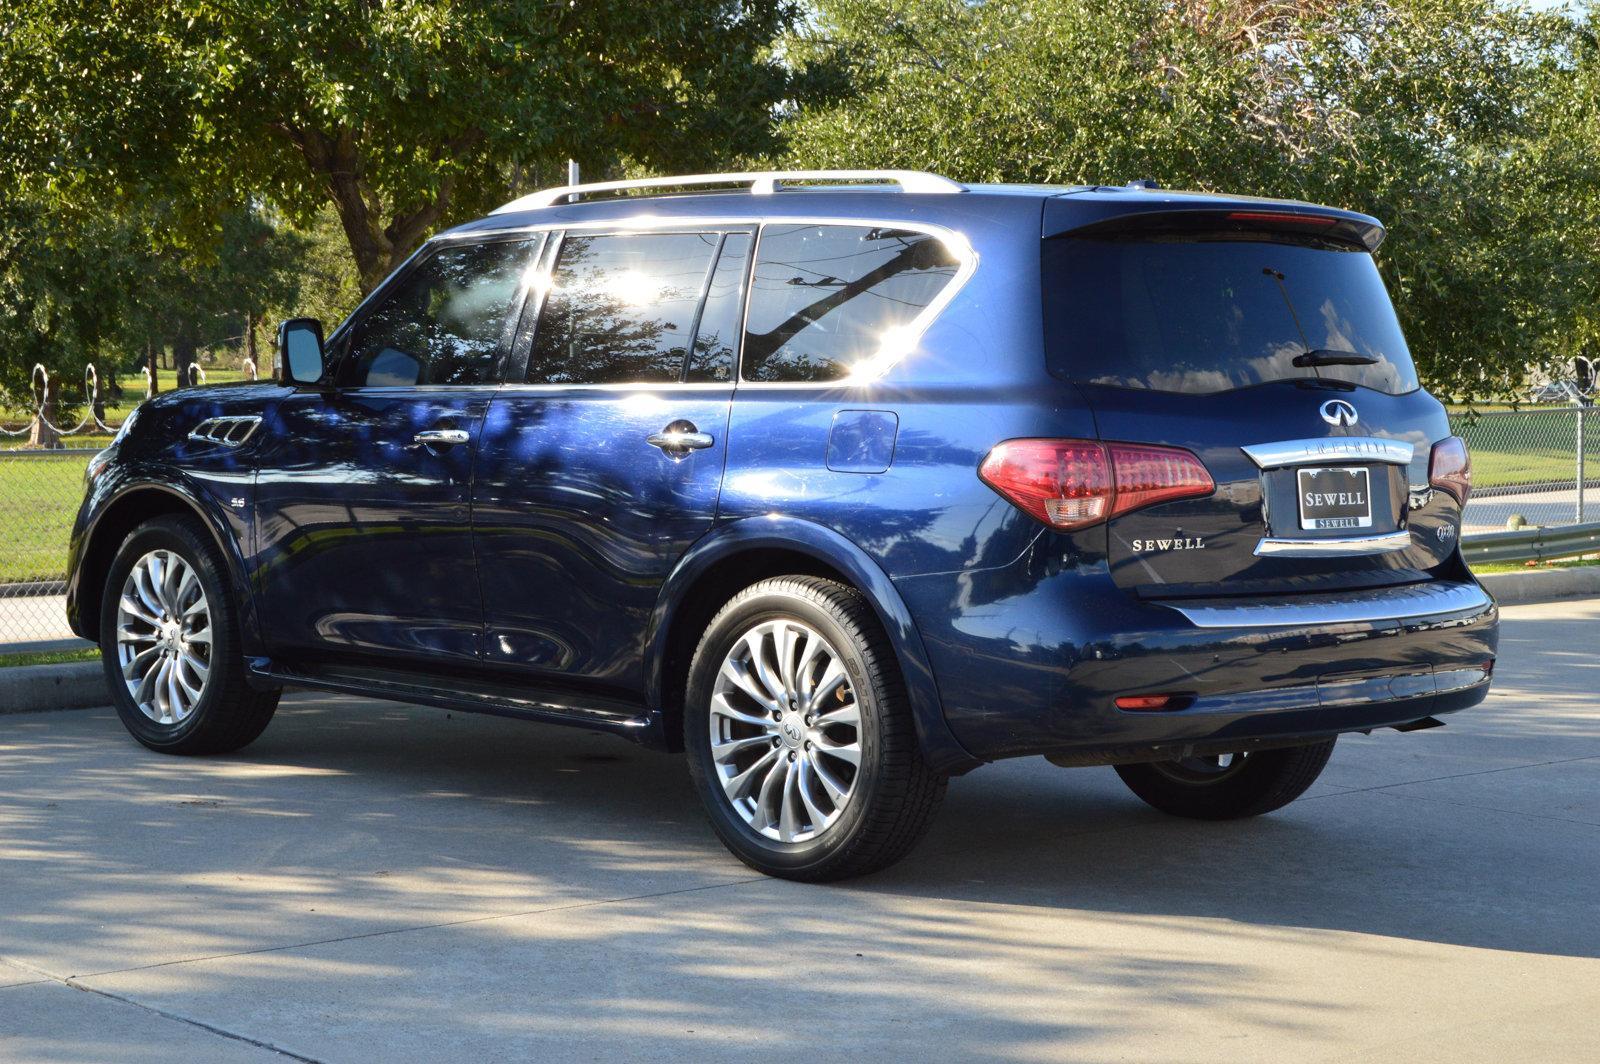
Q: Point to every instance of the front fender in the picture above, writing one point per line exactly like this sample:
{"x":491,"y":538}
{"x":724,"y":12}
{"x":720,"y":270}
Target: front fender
{"x":769,"y":532}
{"x":126,"y":496}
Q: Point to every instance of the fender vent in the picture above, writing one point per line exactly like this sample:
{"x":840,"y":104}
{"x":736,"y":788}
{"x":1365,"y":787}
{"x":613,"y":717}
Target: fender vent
{"x":228,"y":431}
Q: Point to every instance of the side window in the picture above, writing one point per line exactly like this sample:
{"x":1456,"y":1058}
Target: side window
{"x":826,"y":297}
{"x":443,"y":325}
{"x":716,"y":341}
{"x":621,"y":308}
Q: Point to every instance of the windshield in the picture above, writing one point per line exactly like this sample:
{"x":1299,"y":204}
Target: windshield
{"x":1198,"y":315}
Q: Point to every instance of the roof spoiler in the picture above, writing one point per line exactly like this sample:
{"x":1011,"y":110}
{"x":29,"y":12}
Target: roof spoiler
{"x":1065,"y":215}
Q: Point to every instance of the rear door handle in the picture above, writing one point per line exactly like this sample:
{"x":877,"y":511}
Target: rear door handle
{"x":442,"y":437}
{"x":679,"y":438}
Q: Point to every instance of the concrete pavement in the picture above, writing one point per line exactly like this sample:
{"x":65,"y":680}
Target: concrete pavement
{"x":386,"y":883}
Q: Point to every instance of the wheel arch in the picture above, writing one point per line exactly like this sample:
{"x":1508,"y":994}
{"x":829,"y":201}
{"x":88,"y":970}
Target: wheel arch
{"x":738,"y":554}
{"x":132,"y":506}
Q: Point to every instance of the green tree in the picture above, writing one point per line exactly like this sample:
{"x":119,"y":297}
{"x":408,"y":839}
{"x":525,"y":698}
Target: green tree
{"x":99,"y":286}
{"x":1449,"y":119}
{"x":401,"y":115}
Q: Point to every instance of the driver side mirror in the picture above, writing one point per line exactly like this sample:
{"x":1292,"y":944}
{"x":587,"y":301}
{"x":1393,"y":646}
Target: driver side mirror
{"x":300,"y":351}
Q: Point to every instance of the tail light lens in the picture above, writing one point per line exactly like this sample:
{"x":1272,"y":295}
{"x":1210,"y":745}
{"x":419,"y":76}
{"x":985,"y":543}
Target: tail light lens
{"x":1071,"y":484}
{"x":1450,"y":468}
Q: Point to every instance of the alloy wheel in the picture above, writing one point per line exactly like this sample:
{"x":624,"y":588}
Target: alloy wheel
{"x":785,"y":731}
{"x":164,"y":637}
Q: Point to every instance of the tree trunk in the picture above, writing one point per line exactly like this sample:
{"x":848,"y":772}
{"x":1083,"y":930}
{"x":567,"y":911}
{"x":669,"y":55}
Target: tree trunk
{"x":376,"y":248}
{"x":250,"y":342}
{"x":154,"y":387}
{"x":183,"y":355}
{"x":43,"y":433}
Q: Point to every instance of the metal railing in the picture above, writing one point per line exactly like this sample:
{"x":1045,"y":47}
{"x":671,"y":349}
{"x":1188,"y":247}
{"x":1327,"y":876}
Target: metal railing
{"x":1532,"y":544}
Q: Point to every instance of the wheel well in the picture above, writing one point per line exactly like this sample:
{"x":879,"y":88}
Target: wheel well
{"x":121,"y":518}
{"x":701,"y":601}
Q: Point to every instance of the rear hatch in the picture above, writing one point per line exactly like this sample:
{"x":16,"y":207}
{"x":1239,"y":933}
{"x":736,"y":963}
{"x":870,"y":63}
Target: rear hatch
{"x":1264,"y":343}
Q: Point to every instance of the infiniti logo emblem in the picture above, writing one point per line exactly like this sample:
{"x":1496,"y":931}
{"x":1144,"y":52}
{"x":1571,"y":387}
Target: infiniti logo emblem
{"x":1339,"y":413}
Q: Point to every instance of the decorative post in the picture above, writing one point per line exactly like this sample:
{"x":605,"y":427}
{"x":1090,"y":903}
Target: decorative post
{"x":42,"y":434}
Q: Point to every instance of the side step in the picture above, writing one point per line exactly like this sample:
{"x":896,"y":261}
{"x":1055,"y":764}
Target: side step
{"x":469,"y":695}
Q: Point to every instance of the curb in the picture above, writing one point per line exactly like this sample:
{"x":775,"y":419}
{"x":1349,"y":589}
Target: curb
{"x":38,"y":688}
{"x":1542,"y":585}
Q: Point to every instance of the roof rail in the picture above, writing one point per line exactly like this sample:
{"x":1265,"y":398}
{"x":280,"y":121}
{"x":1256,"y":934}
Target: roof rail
{"x":762,"y":183}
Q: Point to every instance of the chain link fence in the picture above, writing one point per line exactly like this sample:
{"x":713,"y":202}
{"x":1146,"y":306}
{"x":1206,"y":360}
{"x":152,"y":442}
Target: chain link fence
{"x":1531,"y":467}
{"x":39,"y":496}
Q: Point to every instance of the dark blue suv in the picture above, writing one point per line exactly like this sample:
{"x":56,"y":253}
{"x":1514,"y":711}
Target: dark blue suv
{"x":840,"y":483}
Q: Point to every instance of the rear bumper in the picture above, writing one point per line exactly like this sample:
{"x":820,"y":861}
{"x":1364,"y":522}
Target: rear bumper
{"x":1038,"y":669}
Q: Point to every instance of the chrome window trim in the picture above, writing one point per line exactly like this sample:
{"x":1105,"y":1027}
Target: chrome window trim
{"x":1284,"y":453}
{"x":1351,"y":607}
{"x":1332,"y":547}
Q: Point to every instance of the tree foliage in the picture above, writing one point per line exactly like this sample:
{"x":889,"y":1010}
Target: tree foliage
{"x":98,"y":286}
{"x":1463,"y":124}
{"x":402,"y":114}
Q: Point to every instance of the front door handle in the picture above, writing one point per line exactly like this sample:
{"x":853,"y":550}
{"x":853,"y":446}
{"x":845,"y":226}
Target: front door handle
{"x":442,"y":437}
{"x":679,"y":438}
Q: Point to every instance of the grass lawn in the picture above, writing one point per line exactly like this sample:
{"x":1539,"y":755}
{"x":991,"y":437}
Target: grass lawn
{"x":50,"y":657}
{"x":39,"y":497}
{"x":1535,"y":446}
{"x":1519,"y":567}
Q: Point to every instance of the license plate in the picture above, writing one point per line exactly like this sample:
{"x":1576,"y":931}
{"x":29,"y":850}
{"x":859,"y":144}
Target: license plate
{"x":1336,"y":497}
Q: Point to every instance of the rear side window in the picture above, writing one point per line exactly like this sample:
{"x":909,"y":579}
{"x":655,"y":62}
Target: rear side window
{"x":443,"y":323}
{"x":1204,"y":316}
{"x":621,"y":308}
{"x":824,"y":298}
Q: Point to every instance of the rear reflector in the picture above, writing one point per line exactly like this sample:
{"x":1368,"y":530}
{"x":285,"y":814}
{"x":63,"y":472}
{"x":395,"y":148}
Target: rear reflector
{"x":1071,"y":484}
{"x":1450,"y":468}
{"x":1153,"y":702}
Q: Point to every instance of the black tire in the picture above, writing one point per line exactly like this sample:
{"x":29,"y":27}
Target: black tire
{"x":1259,"y":783}
{"x":229,"y":713}
{"x":894,"y":794}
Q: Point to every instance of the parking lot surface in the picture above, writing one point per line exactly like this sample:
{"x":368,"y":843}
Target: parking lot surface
{"x":371,"y":882}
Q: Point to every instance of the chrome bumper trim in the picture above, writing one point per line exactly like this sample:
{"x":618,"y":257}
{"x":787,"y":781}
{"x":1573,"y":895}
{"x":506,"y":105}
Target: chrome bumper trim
{"x":1330,"y":449}
{"x":1347,"y":607}
{"x":1343,"y":547}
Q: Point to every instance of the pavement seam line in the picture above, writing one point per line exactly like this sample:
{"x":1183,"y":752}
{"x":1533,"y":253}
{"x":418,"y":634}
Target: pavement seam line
{"x":220,"y":1032}
{"x":50,"y":978}
{"x":417,"y":927}
{"x":1453,"y":776}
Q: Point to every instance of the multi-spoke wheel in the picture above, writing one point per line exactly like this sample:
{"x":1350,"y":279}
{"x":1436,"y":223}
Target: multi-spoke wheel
{"x":1228,"y":786}
{"x":799,"y":737}
{"x":785,"y":731}
{"x":164,"y":637}
{"x":169,"y":640}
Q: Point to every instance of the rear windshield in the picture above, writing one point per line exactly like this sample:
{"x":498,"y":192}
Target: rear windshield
{"x":1197,"y":315}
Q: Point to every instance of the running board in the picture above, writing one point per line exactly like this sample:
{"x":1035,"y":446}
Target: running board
{"x":468,"y":695}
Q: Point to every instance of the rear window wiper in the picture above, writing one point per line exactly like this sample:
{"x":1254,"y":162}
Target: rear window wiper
{"x":1322,"y":356}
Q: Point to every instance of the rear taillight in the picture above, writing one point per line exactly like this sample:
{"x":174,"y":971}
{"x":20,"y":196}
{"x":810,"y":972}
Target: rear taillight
{"x":1071,"y":484}
{"x":1450,"y":468}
